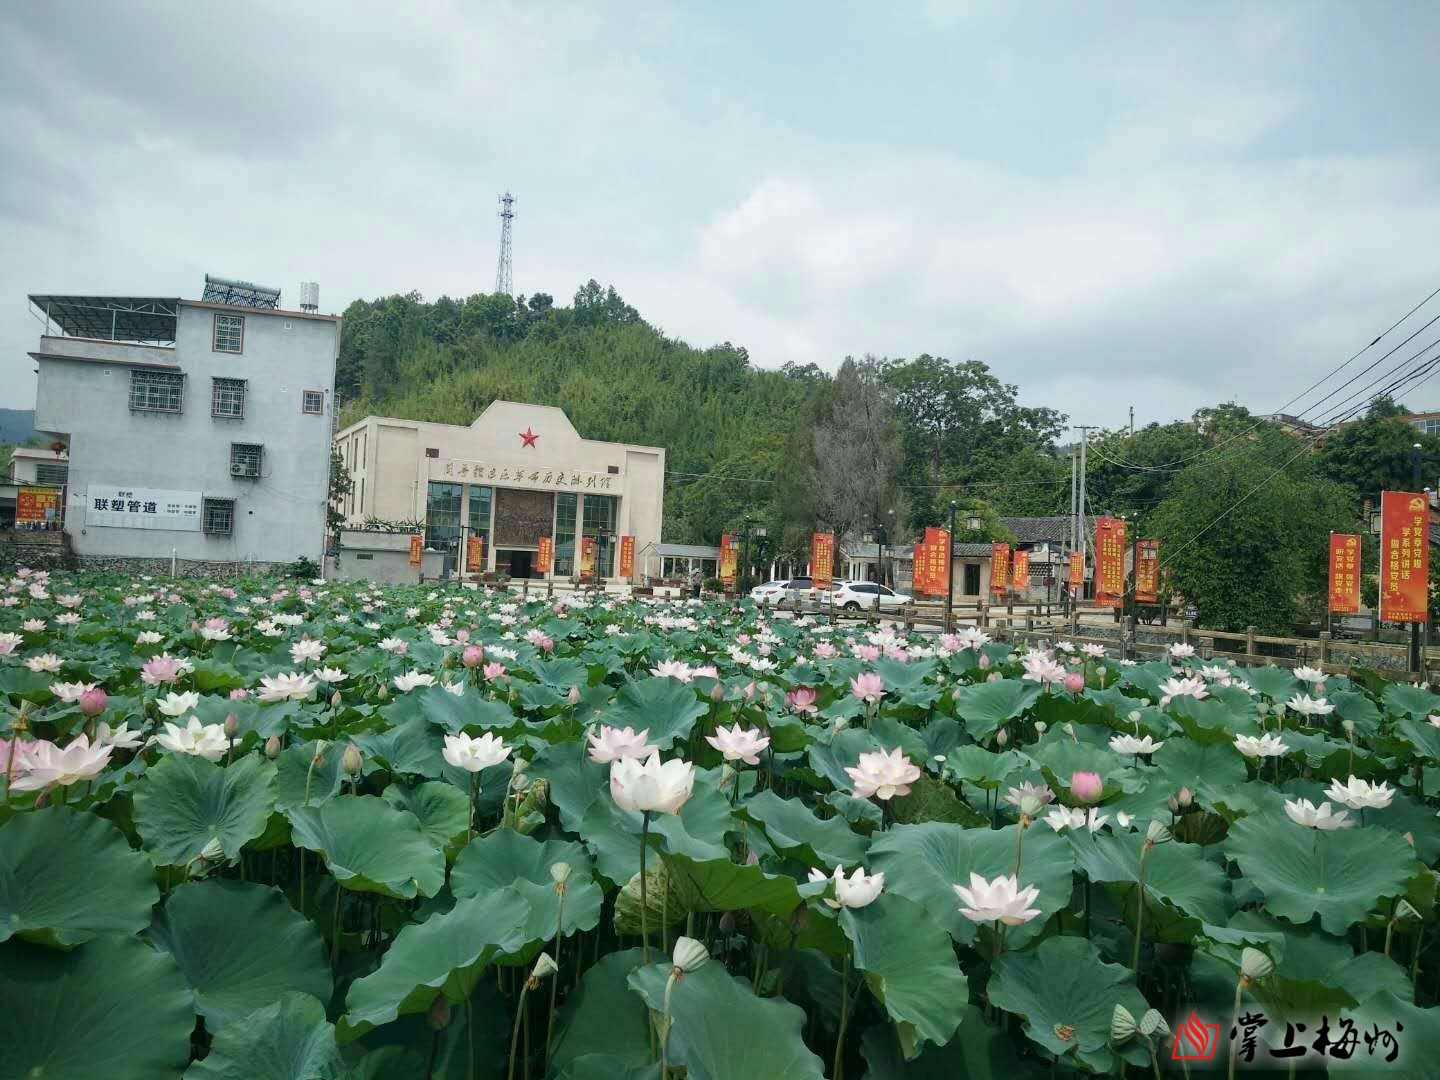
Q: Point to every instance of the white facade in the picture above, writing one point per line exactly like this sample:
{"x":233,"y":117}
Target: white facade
{"x":517,"y":473}
{"x":213,"y":448}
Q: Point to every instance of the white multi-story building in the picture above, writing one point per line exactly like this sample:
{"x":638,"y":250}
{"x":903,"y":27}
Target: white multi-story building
{"x":196,"y":429}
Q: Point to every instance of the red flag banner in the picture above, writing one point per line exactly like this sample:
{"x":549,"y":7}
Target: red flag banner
{"x":936,"y":553}
{"x":999,"y":568}
{"x":544,"y":554}
{"x":1147,"y":571}
{"x":417,"y":545}
{"x":1344,"y":573}
{"x":920,"y":571}
{"x":627,"y":557}
{"x":1077,"y":573}
{"x":1109,"y":561}
{"x":1404,"y":556}
{"x":729,"y":559}
{"x":475,"y":553}
{"x":822,"y":559}
{"x":587,"y":555}
{"x":1020,"y":577}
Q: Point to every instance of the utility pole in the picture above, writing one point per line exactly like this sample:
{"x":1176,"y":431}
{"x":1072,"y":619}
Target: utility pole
{"x":1132,"y":421}
{"x":1074,"y":532}
{"x":1415,"y":662}
{"x":950,"y":568}
{"x":1084,"y":430}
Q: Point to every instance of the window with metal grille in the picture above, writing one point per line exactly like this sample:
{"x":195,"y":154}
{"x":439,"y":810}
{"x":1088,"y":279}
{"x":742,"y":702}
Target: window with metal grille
{"x":156,"y":391}
{"x":312,"y":402}
{"x":245,"y":460}
{"x":229,"y":333}
{"x":227,"y":398}
{"x":53,"y":475}
{"x":218,"y":517}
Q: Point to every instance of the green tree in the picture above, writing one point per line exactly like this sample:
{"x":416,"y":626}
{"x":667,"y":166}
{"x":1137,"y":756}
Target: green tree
{"x":1374,"y":454}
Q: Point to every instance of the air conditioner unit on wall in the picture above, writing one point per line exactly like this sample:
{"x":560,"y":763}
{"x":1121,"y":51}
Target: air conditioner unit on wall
{"x":239,"y":468}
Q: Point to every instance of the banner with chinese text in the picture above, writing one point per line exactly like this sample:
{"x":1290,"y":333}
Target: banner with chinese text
{"x":919,"y":585}
{"x":627,"y":557}
{"x":1147,"y":571}
{"x":1020,"y":577}
{"x":822,"y":559}
{"x":417,"y":546}
{"x":1077,"y":573}
{"x":475,"y":553}
{"x":587,"y":555}
{"x":999,"y":568}
{"x":729,"y":559}
{"x":936,"y":553}
{"x":1344,"y":573}
{"x":36,"y":504}
{"x":1109,"y":561}
{"x":1404,"y":556}
{"x":142,"y":508}
{"x":544,"y":554}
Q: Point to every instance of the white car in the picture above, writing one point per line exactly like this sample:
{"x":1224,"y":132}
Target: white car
{"x":863,"y":596}
{"x":785,"y":589}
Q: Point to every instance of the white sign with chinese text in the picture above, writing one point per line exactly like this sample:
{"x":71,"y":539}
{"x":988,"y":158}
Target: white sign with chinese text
{"x":142,"y":508}
{"x":527,"y":476}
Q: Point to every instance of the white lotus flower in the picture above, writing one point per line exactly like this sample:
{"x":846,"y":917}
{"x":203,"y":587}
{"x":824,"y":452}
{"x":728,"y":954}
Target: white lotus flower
{"x":1304,"y":812}
{"x":70,"y":693}
{"x":46,"y":764}
{"x":1129,"y":744}
{"x":1042,"y":669}
{"x":1093,"y":650}
{"x":149,"y":637}
{"x":1358,"y":794}
{"x":611,"y":744}
{"x":178,"y":704}
{"x":1181,"y":651}
{"x":472,"y":755}
{"x":883,"y":774}
{"x":856,"y":891}
{"x":411,"y":679}
{"x":306,"y":649}
{"x":1002,"y":899}
{"x":1267,"y":745}
{"x":330,"y":675}
{"x":739,"y":744}
{"x":196,"y":739}
{"x":46,"y":662}
{"x":1308,"y":674}
{"x":653,"y":785}
{"x":1191,"y":686}
{"x":121,"y":738}
{"x":286,"y":686}
{"x":1308,"y":706}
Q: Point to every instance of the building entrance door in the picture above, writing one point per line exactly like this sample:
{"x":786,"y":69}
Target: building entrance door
{"x":518,"y":563}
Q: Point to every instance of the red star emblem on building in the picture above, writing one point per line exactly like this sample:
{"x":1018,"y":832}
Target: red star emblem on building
{"x":527,"y":438}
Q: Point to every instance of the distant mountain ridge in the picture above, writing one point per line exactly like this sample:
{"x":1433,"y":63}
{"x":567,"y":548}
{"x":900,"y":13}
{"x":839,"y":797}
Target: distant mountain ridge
{"x":16,"y":425}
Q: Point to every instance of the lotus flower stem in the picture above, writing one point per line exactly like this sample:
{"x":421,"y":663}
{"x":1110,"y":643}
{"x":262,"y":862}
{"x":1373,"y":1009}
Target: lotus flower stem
{"x":837,"y":1070}
{"x":514,"y":1031}
{"x":474,"y":784}
{"x":1139,"y":910}
{"x":644,"y":921}
{"x":1235,"y":1019}
{"x":335,"y":941}
{"x":555,"y":982}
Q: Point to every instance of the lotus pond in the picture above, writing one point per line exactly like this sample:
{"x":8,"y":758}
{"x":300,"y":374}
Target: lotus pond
{"x":282,"y":830}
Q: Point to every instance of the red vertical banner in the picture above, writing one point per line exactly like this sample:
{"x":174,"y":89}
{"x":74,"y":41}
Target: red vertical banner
{"x":1147,"y":571}
{"x":934,"y":552}
{"x":729,"y":559}
{"x":1344,"y":573}
{"x":475,"y":553}
{"x":1020,"y":576}
{"x":627,"y":557}
{"x":920,"y":569}
{"x":1109,"y":561}
{"x":999,"y":568}
{"x":822,"y":559}
{"x":1404,"y":556}
{"x":417,"y":545}
{"x":544,"y":554}
{"x":587,"y":555}
{"x":1077,"y":573}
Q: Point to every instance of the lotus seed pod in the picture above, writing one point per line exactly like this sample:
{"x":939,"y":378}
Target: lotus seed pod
{"x":545,"y":966}
{"x":272,"y":747}
{"x":1152,"y":1023}
{"x":689,"y":954}
{"x":1030,"y":806}
{"x":1254,"y":964}
{"x":560,"y":872}
{"x":1040,"y":727}
{"x":1156,"y":833}
{"x":1122,"y":1024}
{"x":351,"y":762}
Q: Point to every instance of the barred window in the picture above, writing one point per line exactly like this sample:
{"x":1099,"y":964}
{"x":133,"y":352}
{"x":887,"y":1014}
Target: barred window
{"x":245,"y":460}
{"x":229,"y":333}
{"x":51,"y":474}
{"x":312,"y":402}
{"x":156,"y":391}
{"x":227,"y":398}
{"x":218,"y":518}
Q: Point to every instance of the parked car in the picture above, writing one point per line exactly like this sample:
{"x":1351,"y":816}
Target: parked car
{"x":862,"y":596}
{"x":786,"y":589}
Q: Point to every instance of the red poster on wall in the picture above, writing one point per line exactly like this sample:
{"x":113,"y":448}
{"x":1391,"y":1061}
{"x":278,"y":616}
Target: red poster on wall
{"x":1077,"y":572}
{"x":475,"y":553}
{"x":999,"y":568}
{"x":822,"y":559}
{"x":627,"y":557}
{"x":1109,"y":561}
{"x":1344,"y":573}
{"x":1020,"y":575}
{"x":1404,"y":556}
{"x":1147,"y":571}
{"x":729,"y":559}
{"x":416,"y":547}
{"x":544,"y":554}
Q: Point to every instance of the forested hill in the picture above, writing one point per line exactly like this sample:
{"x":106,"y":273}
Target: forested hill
{"x":617,"y":377}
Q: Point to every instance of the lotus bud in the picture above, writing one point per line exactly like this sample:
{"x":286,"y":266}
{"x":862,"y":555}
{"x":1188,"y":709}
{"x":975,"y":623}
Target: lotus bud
{"x":232,"y":724}
{"x":1122,"y":1024}
{"x":1086,"y":787}
{"x":560,"y":874}
{"x":994,"y":676}
{"x":1409,"y":838}
{"x":984,"y":662}
{"x":1156,"y":833}
{"x":1001,"y":737}
{"x":545,"y":966}
{"x":1133,"y":716}
{"x":473,"y":656}
{"x":92,"y":702}
{"x":717,"y":692}
{"x":319,"y":756}
{"x":1348,"y":726}
{"x":438,"y":1015}
{"x":335,"y":700}
{"x":1074,"y":682}
{"x":1254,"y":964}
{"x":574,"y":696}
{"x":1174,"y":804}
{"x":1029,"y":807}
{"x":351,"y":761}
{"x":1040,"y":727}
{"x":1152,"y":1023}
{"x":1184,"y":798}
{"x":382,"y":693}
{"x":272,"y":747}
{"x":689,"y":954}
{"x":955,"y":694}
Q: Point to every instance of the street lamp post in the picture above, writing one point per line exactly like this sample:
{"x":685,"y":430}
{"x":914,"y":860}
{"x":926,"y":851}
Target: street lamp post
{"x":950,"y":570}
{"x":1415,"y":664}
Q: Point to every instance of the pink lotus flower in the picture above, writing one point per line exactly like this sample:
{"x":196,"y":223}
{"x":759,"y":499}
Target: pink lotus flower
{"x":46,"y":764}
{"x":93,"y":701}
{"x":868,"y":687}
{"x":802,"y":699}
{"x":493,"y":671}
{"x":239,"y":694}
{"x":826,"y":651}
{"x":883,"y":774}
{"x":473,"y":656}
{"x":737,"y":743}
{"x":1087,"y":787}
{"x":868,"y":653}
{"x":1074,"y":682}
{"x":573,"y":697}
{"x":612,"y":744}
{"x":161,"y":669}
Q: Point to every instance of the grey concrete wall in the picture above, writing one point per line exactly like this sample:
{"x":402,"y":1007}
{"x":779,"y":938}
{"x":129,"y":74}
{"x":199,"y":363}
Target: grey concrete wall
{"x":279,"y":516}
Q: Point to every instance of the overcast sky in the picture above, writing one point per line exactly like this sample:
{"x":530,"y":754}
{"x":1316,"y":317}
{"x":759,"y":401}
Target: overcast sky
{"x":1162,"y":205}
